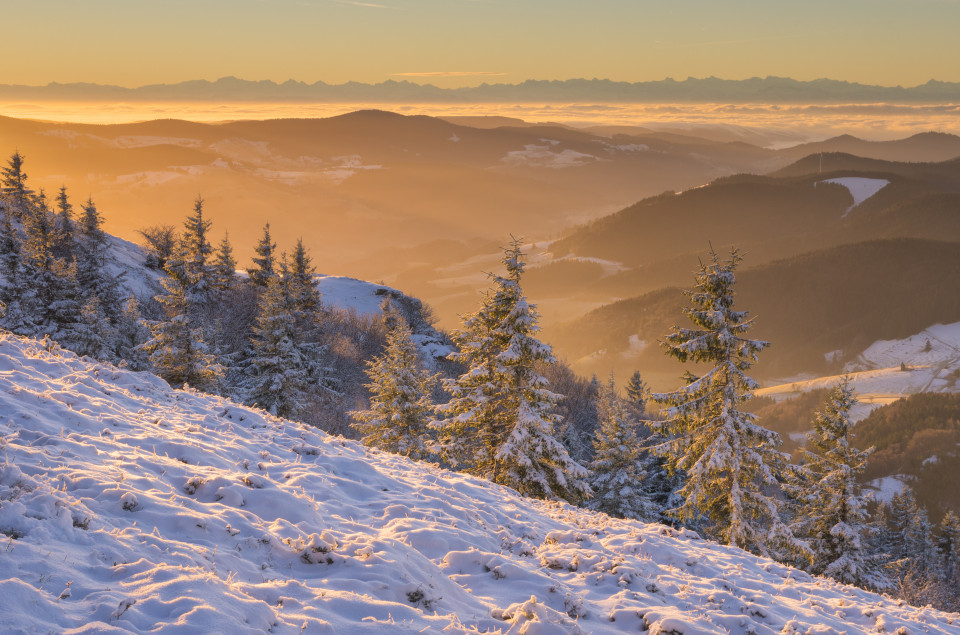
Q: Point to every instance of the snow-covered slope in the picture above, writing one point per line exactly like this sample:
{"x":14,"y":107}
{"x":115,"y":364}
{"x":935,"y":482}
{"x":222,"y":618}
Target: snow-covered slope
{"x":126,"y":506}
{"x":364,"y":298}
{"x":892,"y":369}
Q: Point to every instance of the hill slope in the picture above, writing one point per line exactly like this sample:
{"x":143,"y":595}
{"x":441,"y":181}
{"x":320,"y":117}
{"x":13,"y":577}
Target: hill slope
{"x":129,"y":507}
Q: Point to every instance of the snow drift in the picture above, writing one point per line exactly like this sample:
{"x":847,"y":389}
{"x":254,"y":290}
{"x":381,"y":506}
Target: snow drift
{"x":126,"y":506}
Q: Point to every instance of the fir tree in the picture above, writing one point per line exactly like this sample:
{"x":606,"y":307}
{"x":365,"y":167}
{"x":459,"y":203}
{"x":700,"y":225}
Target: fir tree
{"x":833,"y":516}
{"x":13,"y":182}
{"x":728,"y":458}
{"x":176,"y":347}
{"x":94,"y":334}
{"x":52,"y":298}
{"x":306,"y":298}
{"x":617,"y":473}
{"x":132,"y":334}
{"x":282,"y":365}
{"x":92,"y":275}
{"x":500,"y":421}
{"x":637,"y":393}
{"x":191,"y":261}
{"x":263,"y":269}
{"x":400,"y":404}
{"x":63,"y":226}
{"x":948,"y":546}
{"x":224,"y":268}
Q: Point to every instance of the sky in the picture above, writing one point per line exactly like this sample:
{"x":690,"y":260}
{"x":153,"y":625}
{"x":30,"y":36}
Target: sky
{"x":453,"y":43}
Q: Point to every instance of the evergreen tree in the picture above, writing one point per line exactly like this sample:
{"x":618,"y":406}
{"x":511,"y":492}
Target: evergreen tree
{"x":263,"y":269}
{"x":191,"y":261}
{"x":500,"y":421}
{"x":637,"y":393}
{"x":176,"y":348}
{"x":224,"y":269}
{"x":948,"y":545}
{"x":13,"y":182}
{"x":833,"y":516}
{"x":63,"y":226}
{"x":914,"y":564}
{"x":618,"y":476}
{"x":91,"y":256}
{"x":730,"y":461}
{"x":306,"y":298}
{"x":132,"y":334}
{"x":400,"y":404}
{"x":282,"y":365}
{"x":52,"y":298}
{"x":94,"y":334}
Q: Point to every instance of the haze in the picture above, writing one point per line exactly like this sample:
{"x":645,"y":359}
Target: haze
{"x":466,"y":42}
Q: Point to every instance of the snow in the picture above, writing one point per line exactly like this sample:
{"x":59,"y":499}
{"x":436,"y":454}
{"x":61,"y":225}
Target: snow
{"x":878,"y":378}
{"x":860,"y":188}
{"x":884,"y":489}
{"x":541,"y":156}
{"x":127,"y":506}
{"x":364,"y":298}
{"x":352,"y":294}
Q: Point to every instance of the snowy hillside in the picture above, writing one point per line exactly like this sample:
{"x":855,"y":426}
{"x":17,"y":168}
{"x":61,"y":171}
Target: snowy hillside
{"x":126,"y":506}
{"x":364,"y":298}
{"x":892,"y":369}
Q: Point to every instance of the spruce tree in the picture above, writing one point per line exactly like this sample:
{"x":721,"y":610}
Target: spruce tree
{"x":500,"y":420}
{"x":13,"y":182}
{"x":948,"y":545}
{"x":617,"y":473}
{"x":730,"y":461}
{"x":833,"y":515}
{"x":132,"y":334}
{"x":637,"y":393}
{"x":63,"y":245}
{"x":224,"y":268}
{"x":191,"y":262}
{"x":306,"y":297}
{"x":263,"y":269}
{"x":176,"y":348}
{"x":95,"y":336}
{"x":400,"y":405}
{"x":282,"y":364}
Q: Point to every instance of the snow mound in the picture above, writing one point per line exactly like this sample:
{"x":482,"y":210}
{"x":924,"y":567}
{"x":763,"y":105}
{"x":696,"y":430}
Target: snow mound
{"x":126,"y":506}
{"x":860,"y":188}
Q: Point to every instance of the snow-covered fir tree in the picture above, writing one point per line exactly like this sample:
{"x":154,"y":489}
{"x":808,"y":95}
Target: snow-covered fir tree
{"x":730,"y":461}
{"x":263,"y":269}
{"x":13,"y":182}
{"x":637,"y":394}
{"x":176,"y":348}
{"x":132,"y":334}
{"x":913,"y":562}
{"x":95,"y":336}
{"x":63,"y":241}
{"x":223,"y":269}
{"x":833,"y":517}
{"x":190,"y":262}
{"x":948,"y":546}
{"x":617,"y":473}
{"x":499,"y":421}
{"x":282,"y":364}
{"x":400,"y":404}
{"x":306,"y":297}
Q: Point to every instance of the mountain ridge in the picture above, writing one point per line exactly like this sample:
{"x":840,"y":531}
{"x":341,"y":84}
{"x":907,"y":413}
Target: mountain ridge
{"x":768,"y":89}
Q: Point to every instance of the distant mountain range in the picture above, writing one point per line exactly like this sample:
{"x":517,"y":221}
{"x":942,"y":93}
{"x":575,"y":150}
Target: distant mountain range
{"x":710,"y":89}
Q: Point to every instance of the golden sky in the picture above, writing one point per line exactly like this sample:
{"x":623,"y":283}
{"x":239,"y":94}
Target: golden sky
{"x":466,"y":42}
